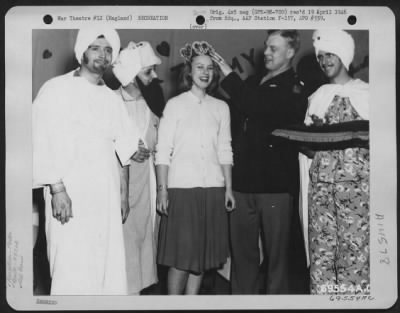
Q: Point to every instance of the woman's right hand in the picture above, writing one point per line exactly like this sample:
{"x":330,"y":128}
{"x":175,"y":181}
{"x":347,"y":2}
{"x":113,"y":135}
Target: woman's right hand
{"x":162,"y":201}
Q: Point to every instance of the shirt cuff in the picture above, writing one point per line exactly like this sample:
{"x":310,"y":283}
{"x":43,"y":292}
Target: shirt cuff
{"x":125,"y":150}
{"x":162,"y":159}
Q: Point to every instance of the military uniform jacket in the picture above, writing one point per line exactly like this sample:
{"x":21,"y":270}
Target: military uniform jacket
{"x":261,"y":163}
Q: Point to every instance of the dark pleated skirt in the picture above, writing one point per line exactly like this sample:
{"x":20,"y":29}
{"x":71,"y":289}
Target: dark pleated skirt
{"x":194,"y":235}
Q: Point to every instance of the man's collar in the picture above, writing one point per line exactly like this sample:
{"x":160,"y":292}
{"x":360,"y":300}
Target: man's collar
{"x":126,"y":96}
{"x":99,"y":83}
{"x":280,"y":77}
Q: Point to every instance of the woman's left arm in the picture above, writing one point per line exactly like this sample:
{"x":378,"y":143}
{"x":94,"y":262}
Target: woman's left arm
{"x":225,"y":155}
{"x":229,"y":198}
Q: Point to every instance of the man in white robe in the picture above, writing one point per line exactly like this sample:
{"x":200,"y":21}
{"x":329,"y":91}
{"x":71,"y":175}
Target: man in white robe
{"x":79,"y":125}
{"x":137,"y":64}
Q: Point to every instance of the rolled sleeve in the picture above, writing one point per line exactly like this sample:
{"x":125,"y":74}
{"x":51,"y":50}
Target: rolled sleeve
{"x":166,"y":133}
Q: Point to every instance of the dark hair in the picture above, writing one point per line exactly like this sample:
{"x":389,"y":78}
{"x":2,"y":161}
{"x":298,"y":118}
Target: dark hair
{"x":292,"y":37}
{"x":153,"y":94}
{"x":85,"y":59}
{"x":186,"y":82}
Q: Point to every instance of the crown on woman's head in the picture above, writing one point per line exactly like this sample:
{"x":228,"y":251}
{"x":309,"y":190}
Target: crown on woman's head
{"x":195,"y":49}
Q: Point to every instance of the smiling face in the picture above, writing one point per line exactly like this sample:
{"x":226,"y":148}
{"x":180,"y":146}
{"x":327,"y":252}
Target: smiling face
{"x":147,"y":74}
{"x":202,"y":71}
{"x":98,"y":56}
{"x":278,"y":53}
{"x":330,"y":64}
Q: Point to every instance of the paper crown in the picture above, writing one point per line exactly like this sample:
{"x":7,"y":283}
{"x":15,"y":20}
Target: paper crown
{"x":196,"y":48}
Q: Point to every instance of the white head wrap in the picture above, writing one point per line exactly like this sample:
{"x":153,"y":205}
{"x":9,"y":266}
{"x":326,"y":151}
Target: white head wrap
{"x":337,"y":42}
{"x":86,"y":36}
{"x":132,"y":59}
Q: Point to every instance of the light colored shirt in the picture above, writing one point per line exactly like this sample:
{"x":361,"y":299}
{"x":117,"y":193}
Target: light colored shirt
{"x":194,"y":139}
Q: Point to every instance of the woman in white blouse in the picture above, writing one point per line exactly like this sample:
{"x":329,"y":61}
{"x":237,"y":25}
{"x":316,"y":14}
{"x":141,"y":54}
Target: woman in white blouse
{"x":193,"y":165}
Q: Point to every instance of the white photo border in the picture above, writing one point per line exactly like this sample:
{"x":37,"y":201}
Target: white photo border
{"x":19,"y":23}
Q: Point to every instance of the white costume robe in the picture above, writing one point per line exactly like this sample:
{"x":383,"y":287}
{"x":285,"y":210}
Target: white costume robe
{"x":77,"y":128}
{"x":140,"y":229}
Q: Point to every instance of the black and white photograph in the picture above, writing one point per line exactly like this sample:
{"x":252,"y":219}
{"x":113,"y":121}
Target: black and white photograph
{"x":201,"y":158}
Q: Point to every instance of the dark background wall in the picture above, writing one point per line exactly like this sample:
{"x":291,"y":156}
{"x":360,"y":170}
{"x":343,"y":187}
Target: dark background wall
{"x":53,"y":52}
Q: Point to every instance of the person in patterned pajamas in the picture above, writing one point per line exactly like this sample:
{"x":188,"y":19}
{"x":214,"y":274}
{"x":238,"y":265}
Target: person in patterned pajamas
{"x":338,"y":188}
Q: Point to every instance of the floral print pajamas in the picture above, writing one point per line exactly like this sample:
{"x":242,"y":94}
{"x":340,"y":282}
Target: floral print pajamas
{"x":339,"y":214}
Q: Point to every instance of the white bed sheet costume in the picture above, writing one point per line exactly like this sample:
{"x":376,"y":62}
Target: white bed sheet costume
{"x":140,"y":228}
{"x":78,"y":127}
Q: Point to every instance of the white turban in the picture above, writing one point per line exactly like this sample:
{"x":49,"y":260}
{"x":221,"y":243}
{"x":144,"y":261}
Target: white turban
{"x":132,"y":59}
{"x":337,"y":42}
{"x":87,"y":36}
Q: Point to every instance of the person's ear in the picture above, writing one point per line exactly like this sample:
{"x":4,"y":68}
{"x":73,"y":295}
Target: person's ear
{"x":290,"y":53}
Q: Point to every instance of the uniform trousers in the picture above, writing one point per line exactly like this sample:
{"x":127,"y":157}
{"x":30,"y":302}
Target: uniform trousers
{"x":267,"y":216}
